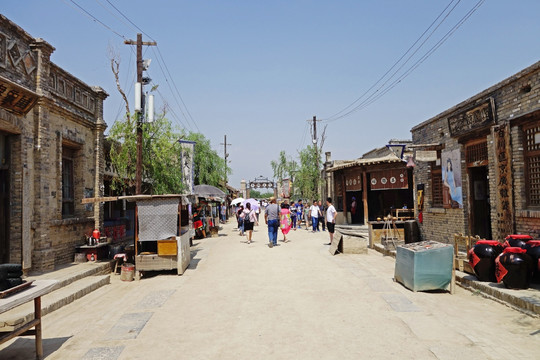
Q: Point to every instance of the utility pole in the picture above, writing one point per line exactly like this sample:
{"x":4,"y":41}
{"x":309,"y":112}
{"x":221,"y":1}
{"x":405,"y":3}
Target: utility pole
{"x":225,"y":156}
{"x":138,"y":172}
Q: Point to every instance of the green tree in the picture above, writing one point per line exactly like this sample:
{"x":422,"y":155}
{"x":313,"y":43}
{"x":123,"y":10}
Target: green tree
{"x":307,"y":176}
{"x":161,"y":171}
{"x":260,"y":195}
{"x":209,"y":167}
{"x":284,"y":167}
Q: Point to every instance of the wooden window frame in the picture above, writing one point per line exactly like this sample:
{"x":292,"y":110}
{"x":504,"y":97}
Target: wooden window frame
{"x":527,"y":156}
{"x":436,"y":183}
{"x":68,"y":195}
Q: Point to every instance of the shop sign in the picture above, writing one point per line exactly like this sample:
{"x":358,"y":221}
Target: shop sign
{"x":389,"y":179}
{"x":15,"y":98}
{"x":353,"y":180}
{"x":504,"y":201}
{"x":472,"y":119}
{"x":286,"y":188}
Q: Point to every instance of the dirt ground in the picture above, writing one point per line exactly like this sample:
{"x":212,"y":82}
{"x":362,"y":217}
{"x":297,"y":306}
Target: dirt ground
{"x":293,"y":301}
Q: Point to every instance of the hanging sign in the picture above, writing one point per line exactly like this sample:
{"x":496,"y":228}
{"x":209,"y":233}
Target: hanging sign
{"x":353,"y":180}
{"x":389,"y":179}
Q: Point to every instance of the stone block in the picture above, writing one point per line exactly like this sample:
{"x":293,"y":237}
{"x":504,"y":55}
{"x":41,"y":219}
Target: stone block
{"x":354,"y":244}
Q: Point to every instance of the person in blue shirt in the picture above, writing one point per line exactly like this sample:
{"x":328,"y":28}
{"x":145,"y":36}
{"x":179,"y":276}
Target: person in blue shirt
{"x":299,"y":213}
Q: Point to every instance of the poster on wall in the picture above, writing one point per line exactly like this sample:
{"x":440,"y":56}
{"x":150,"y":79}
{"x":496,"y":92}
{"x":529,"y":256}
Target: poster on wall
{"x":451,"y":177}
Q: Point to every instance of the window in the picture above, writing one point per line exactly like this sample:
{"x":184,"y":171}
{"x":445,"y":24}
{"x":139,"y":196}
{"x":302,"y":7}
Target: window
{"x":532,"y":163}
{"x":68,"y":201}
{"x":436,"y":182}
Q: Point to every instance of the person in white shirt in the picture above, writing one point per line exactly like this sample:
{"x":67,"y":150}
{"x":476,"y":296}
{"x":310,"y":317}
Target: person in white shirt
{"x":314,"y":213}
{"x":331,"y":214}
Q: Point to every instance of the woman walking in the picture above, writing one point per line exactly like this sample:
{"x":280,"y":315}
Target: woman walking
{"x":240,"y":219}
{"x":285,"y":220}
{"x":249,"y":219}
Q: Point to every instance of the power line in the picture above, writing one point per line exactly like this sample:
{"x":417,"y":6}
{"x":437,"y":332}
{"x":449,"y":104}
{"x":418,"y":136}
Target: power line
{"x":94,"y":18}
{"x":374,"y":97}
{"x":382,"y":90}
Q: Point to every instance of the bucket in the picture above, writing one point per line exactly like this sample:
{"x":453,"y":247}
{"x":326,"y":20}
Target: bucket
{"x":127,"y":272}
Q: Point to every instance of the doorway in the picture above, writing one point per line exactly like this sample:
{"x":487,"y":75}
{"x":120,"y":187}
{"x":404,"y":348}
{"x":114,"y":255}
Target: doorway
{"x":480,"y":204}
{"x":4,"y":199}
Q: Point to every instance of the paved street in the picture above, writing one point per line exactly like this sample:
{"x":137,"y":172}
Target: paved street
{"x":295,"y":301}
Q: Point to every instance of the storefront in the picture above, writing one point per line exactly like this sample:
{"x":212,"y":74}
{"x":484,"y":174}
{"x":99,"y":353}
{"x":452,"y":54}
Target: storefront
{"x":478,"y":169}
{"x":370,"y":187}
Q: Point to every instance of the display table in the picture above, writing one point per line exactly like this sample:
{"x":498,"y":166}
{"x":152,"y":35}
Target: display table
{"x":34,"y":292}
{"x":100,"y":251}
{"x":425,"y":265}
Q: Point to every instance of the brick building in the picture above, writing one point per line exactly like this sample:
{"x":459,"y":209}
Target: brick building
{"x":51,"y":133}
{"x":478,"y":163}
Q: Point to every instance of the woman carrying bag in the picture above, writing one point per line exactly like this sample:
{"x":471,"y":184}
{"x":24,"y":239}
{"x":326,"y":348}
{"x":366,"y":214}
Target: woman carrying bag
{"x":249,"y":219}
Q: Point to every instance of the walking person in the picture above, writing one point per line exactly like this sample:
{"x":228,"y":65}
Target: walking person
{"x":285,"y":220}
{"x":331,"y":214}
{"x":249,"y":219}
{"x":300,"y":213}
{"x":322,"y":219}
{"x":292,"y":209}
{"x":314,"y":212}
{"x":271,"y":218}
{"x":240,"y":219}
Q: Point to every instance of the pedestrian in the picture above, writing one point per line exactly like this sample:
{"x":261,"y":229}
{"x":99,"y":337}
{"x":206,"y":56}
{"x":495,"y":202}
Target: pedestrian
{"x":240,"y":219}
{"x":292,"y":209}
{"x":223,"y":212}
{"x":314,"y":212}
{"x":300,"y":213}
{"x":285,"y":220}
{"x":249,"y":220}
{"x":331,"y":214}
{"x":271,"y":218}
{"x":322,"y":207}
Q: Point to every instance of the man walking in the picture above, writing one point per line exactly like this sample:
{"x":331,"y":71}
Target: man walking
{"x":331,"y":214}
{"x":271,"y":218}
{"x":314,"y":212}
{"x":322,"y":214}
{"x":300,"y":213}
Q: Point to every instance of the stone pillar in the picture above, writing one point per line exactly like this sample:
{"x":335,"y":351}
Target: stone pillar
{"x":99,"y":157}
{"x":45,"y":168}
{"x":243,"y":189}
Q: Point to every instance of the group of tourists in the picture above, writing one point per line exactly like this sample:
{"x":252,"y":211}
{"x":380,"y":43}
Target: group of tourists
{"x":286,"y":217}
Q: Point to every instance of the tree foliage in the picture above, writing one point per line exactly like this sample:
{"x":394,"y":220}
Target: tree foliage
{"x":161,"y":170}
{"x":209,"y":167}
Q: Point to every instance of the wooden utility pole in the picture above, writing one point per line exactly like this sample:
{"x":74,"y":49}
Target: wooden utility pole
{"x":225,"y":156}
{"x":138,"y":172}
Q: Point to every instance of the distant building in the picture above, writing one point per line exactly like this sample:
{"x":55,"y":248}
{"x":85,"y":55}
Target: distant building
{"x":51,"y":133}
{"x":371,"y":186}
{"x":478,"y":163}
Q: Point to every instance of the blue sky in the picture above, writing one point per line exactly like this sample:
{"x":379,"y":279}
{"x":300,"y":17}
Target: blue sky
{"x":257,"y":70}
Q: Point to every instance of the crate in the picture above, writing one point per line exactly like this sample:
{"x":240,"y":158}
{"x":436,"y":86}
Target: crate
{"x":167,"y":247}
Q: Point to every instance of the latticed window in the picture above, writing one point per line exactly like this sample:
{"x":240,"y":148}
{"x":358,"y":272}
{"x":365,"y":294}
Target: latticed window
{"x":532,"y":163}
{"x":477,"y":154}
{"x":436,"y":183}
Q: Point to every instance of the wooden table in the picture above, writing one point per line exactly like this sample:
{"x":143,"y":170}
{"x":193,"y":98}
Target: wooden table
{"x":34,"y":292}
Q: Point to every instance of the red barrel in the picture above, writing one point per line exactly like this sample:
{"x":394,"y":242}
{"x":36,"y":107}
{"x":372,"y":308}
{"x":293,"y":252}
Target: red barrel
{"x":96,"y":234}
{"x":514,"y":268}
{"x":516,"y":240}
{"x":482,"y":259}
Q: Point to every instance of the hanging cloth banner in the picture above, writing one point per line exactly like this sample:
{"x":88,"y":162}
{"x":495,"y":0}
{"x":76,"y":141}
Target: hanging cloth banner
{"x":389,"y":179}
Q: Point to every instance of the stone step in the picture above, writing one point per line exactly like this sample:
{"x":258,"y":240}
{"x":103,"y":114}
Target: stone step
{"x":69,"y":273}
{"x":62,"y":296}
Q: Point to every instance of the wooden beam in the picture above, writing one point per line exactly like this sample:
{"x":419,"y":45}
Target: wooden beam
{"x":99,"y":199}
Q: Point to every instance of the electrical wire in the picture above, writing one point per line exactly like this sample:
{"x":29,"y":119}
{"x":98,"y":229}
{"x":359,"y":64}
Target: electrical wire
{"x":374,"y":97}
{"x":81,"y":9}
